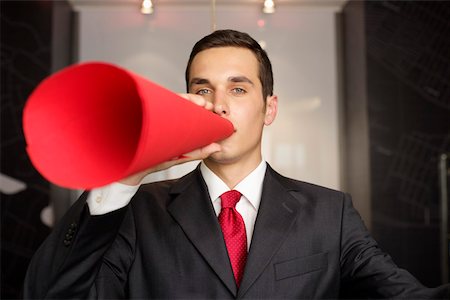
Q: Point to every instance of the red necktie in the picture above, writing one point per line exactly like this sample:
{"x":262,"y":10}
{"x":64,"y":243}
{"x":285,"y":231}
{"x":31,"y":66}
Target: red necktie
{"x":233,"y":229}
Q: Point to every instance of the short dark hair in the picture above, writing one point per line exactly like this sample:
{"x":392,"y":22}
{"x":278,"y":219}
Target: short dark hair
{"x":233,"y":38}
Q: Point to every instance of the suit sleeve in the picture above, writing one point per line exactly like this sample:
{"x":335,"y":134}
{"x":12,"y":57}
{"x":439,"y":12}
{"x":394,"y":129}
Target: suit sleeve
{"x":368,"y":272}
{"x":68,"y":263}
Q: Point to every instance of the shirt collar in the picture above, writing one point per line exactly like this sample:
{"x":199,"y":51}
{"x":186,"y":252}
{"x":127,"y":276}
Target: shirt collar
{"x":250,"y":187}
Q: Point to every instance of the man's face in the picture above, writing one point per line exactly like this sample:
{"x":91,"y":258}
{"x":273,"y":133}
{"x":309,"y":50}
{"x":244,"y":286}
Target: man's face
{"x":228,"y":77}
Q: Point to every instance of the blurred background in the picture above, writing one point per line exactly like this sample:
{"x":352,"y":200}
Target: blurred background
{"x":364,"y":104}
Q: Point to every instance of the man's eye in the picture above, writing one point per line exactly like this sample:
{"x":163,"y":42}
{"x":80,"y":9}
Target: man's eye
{"x":239,"y":91}
{"x":203,"y":92}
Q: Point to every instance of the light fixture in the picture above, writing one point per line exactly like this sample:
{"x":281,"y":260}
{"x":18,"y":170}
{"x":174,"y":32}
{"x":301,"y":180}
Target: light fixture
{"x":269,"y":7}
{"x":147,"y":7}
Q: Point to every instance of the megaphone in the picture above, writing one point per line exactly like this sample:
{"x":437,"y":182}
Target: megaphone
{"x":95,"y":123}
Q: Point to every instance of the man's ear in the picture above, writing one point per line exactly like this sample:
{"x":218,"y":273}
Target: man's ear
{"x":271,"y":109}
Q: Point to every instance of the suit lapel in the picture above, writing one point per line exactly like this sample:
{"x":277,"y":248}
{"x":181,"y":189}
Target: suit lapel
{"x":277,"y":213}
{"x":194,"y":212}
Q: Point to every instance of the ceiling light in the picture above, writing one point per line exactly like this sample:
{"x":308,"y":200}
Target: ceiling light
{"x":147,"y":7}
{"x":269,"y":7}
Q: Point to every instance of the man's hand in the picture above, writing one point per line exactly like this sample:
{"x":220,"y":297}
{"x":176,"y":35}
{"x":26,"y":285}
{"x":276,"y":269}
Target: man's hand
{"x":197,"y":154}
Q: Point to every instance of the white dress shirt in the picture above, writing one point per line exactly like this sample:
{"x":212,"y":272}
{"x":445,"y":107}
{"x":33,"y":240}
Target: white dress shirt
{"x":116,"y":195}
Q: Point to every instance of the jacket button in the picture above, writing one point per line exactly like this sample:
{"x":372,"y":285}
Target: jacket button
{"x":67,"y":243}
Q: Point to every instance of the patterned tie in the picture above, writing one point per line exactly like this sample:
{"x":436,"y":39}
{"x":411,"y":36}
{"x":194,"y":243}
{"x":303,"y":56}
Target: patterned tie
{"x":233,"y":229}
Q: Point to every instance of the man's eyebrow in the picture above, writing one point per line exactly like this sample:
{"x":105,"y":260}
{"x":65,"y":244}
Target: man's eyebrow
{"x":197,"y":80}
{"x":240,"y":79}
{"x":236,"y":79}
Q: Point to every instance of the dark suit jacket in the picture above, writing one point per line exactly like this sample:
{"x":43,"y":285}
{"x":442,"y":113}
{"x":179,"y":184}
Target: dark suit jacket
{"x":308,"y":242}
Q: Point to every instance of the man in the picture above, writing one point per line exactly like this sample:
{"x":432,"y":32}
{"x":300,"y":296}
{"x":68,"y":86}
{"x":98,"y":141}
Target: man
{"x":183,"y":239}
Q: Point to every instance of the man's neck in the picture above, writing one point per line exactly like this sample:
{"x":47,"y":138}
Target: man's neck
{"x":233,"y":173}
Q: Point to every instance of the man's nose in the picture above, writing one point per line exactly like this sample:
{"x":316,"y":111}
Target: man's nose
{"x":220,"y":105}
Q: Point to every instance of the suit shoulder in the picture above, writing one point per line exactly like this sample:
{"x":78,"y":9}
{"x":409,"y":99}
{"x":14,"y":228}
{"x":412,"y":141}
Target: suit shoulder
{"x":153,"y":196}
{"x":154,"y":192}
{"x":306,"y":188}
{"x":151,"y":187}
{"x":161,"y":190}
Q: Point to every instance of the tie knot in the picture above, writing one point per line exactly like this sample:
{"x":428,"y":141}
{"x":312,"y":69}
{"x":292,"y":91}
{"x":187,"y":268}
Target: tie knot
{"x":230,"y":198}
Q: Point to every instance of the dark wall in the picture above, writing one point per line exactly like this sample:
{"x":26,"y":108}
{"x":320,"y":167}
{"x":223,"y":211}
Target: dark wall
{"x":27,"y":41}
{"x":407,"y":71}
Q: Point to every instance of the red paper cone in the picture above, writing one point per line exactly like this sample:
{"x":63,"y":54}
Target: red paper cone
{"x":94,"y":123}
